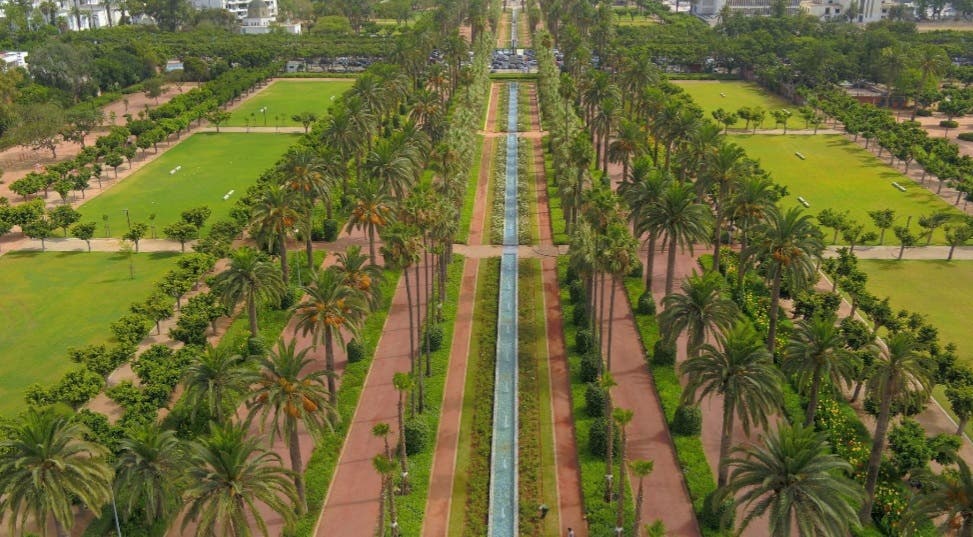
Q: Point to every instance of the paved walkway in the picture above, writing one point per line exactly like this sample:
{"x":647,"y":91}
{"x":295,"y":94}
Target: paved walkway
{"x":962,"y":253}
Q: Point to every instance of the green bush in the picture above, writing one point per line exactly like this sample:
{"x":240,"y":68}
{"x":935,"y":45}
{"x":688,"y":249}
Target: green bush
{"x":579,"y":316}
{"x":256,"y":347}
{"x":590,"y":365}
{"x":433,"y":337}
{"x":329,"y":230}
{"x":583,"y":341}
{"x":576,"y":291}
{"x":924,"y":112}
{"x":966,"y":136}
{"x":949,"y":123}
{"x":663,"y":353}
{"x":688,"y":421}
{"x":416,"y":435}
{"x":646,"y":304}
{"x":598,"y":438}
{"x":636,"y":270}
{"x":717,"y":513}
{"x":594,"y":400}
{"x":355,"y":351}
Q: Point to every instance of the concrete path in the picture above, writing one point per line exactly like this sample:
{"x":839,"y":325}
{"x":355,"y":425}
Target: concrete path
{"x":962,"y":253}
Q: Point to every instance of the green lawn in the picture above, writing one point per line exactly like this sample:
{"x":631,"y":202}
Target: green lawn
{"x":212,"y":165}
{"x":839,"y":174}
{"x":731,"y":95}
{"x":53,"y":301}
{"x":284,"y":98}
{"x":941,"y":290}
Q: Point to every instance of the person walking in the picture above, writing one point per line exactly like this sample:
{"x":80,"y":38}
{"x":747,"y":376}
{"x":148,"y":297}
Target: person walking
{"x":570,"y":532}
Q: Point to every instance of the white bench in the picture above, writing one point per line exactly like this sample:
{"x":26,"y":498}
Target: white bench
{"x":800,"y":155}
{"x":803,"y":201}
{"x":898,"y":186}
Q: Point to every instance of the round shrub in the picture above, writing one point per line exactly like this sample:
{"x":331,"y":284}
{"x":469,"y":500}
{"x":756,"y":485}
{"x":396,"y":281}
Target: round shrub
{"x":966,"y":136}
{"x":590,"y":363}
{"x":572,"y":274}
{"x":598,"y":438}
{"x":287,"y":300}
{"x":646,"y":304}
{"x":717,"y":513}
{"x":433,"y":337}
{"x":663,"y":353}
{"x":594,"y":400}
{"x":416,"y":435}
{"x":949,"y":123}
{"x":256,"y":347}
{"x":924,"y":112}
{"x":355,"y":351}
{"x":687,"y":421}
{"x":579,"y":316}
{"x":583,"y":341}
{"x":576,"y":291}
{"x":636,"y":270}
{"x":330,"y":230}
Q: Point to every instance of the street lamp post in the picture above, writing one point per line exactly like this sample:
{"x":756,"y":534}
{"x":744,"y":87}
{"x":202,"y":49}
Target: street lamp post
{"x":128,"y":219}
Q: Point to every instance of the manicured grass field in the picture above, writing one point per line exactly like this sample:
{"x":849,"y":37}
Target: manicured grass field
{"x":709,"y":95}
{"x":941,"y":290}
{"x":839,"y":174}
{"x":53,"y":301}
{"x":284,"y":98}
{"x":212,"y":165}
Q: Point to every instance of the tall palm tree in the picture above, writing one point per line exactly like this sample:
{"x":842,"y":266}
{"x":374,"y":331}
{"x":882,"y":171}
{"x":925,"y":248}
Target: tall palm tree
{"x":641,"y":193}
{"x":330,"y":306}
{"x":306,"y":173}
{"x":788,"y":243}
{"x":723,"y":170}
{"x":288,"y":394}
{"x":680,"y":220}
{"x":629,"y":141}
{"x":228,"y":474}
{"x":391,"y":167}
{"x":252,"y":278}
{"x":403,"y":382}
{"x":948,"y":499}
{"x":897,"y":371}
{"x":150,"y":473}
{"x":386,"y":468}
{"x":750,"y":203}
{"x":346,"y":129}
{"x":372,"y":211}
{"x":701,"y":310}
{"x":45,"y":463}
{"x":620,"y":254}
{"x":816,"y":354}
{"x":742,"y":371}
{"x":215,"y":378}
{"x":794,"y":477}
{"x":358,"y":273}
{"x":401,"y":251}
{"x":641,"y":469}
{"x":622,"y":417}
{"x":606,"y":383}
{"x":273,"y":216}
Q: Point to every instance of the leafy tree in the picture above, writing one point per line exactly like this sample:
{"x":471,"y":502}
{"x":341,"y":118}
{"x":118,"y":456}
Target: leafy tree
{"x":196,"y":216}
{"x":63,"y":216}
{"x":40,"y":229}
{"x":44,"y":464}
{"x":182,"y":232}
{"x":136,"y":233}
{"x":906,"y":238}
{"x":84,"y":231}
{"x":961,"y":401}
{"x":794,"y":478}
{"x":835,"y":220}
{"x":227,"y":474}
{"x":157,"y":308}
{"x":114,"y":160}
{"x":153,"y":88}
{"x":742,"y":371}
{"x":218,"y":117}
{"x":883,"y":220}
{"x":641,"y":469}
{"x":305,"y":119}
{"x":251,"y":278}
{"x":150,"y":473}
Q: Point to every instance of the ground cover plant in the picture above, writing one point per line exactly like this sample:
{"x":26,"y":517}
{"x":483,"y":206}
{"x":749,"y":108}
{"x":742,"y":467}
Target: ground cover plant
{"x":285,"y":98}
{"x":54,"y":301}
{"x":732,"y":95}
{"x":212,"y":165}
{"x":838,"y":174}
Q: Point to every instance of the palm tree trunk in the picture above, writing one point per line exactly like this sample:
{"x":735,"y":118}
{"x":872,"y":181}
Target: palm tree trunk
{"x":307,"y":244}
{"x":392,"y":515}
{"x":601,"y":314}
{"x":650,"y":263}
{"x":718,"y":226}
{"x":671,"y":265}
{"x":403,"y":457}
{"x":610,"y":442}
{"x":774,"y":309}
{"x":421,"y":385}
{"x":639,"y":497}
{"x":962,"y":425}
{"x":812,"y":404}
{"x":726,"y":440}
{"x":282,"y":250}
{"x":371,"y":243}
{"x":412,"y":333}
{"x":297,"y":465}
{"x":380,"y":531}
{"x":611,"y":313}
{"x":875,"y":459}
{"x":620,"y":489}
{"x":858,"y":391}
{"x":329,"y":363}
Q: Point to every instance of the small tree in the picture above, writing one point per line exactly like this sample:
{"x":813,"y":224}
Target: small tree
{"x":907,"y":239}
{"x":883,"y":220}
{"x":961,"y":401}
{"x":781,"y":116}
{"x":957,"y":236}
{"x":182,"y":232}
{"x":833,"y":219}
{"x":196,"y":216}
{"x":156,"y":308}
{"x":930,"y":223}
{"x":217,"y":118}
{"x":41,"y":229}
{"x":63,"y":216}
{"x":114,"y":160}
{"x":84,"y":231}
{"x":136,"y":233}
{"x":154,"y":88}
{"x":305,"y":119}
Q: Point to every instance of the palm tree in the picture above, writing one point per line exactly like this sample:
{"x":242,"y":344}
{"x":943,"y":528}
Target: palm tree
{"x":622,"y":417}
{"x":606,"y":383}
{"x":749,"y":204}
{"x":403,"y":382}
{"x":641,"y":469}
{"x":273,"y":215}
{"x":948,"y":499}
{"x":680,"y":220}
{"x":358,"y":273}
{"x":629,"y":141}
{"x":620,"y":254}
{"x":788,"y":243}
{"x":44,"y":464}
{"x":251,"y":278}
{"x":215,"y":378}
{"x":346,"y":128}
{"x":382,"y":430}
{"x":816,"y":353}
{"x":794,"y":477}
{"x":700,"y":311}
{"x":723,"y":170}
{"x":897,"y":371}
{"x":329,"y":307}
{"x":386,"y":468}
{"x":391,"y":167}
{"x":372,"y":211}
{"x":641,"y":193}
{"x":228,"y":474}
{"x":401,"y":251}
{"x":150,"y":473}
{"x":306,"y":173}
{"x":288,"y":395}
{"x":742,"y":371}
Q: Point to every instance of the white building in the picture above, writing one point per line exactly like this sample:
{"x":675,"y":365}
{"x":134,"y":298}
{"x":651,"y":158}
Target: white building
{"x":14,"y":58}
{"x":240,"y":8}
{"x":865,"y":10}
{"x":711,"y":9}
